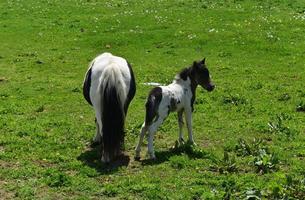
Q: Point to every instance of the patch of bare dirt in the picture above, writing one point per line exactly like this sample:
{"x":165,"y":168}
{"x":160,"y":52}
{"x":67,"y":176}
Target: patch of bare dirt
{"x":4,"y":193}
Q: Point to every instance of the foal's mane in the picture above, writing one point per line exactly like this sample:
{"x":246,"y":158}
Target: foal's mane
{"x":184,"y":73}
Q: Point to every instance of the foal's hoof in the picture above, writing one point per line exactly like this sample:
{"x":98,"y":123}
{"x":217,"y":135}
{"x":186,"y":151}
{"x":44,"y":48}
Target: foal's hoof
{"x":152,"y":158}
{"x":137,"y":158}
{"x":192,"y":143}
{"x":181,"y":141}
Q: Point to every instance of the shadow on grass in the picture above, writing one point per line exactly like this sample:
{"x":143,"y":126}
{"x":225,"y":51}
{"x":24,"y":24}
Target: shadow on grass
{"x":92,"y":158}
{"x":192,"y":152}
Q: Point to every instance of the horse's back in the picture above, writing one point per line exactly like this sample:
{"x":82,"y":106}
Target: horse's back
{"x":107,"y":62}
{"x":107,"y":69}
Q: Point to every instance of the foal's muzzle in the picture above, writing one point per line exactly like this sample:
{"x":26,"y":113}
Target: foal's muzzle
{"x":209,"y":87}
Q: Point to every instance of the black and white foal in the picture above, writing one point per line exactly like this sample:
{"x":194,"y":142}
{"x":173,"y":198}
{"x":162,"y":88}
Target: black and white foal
{"x":109,"y":86}
{"x":178,"y":97}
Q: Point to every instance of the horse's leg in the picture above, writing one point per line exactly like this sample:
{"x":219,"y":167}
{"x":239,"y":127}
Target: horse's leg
{"x":188,"y":118}
{"x":151,"y":132}
{"x":99,"y":134}
{"x":98,"y":137}
{"x":180,"y":122}
{"x":138,"y":148}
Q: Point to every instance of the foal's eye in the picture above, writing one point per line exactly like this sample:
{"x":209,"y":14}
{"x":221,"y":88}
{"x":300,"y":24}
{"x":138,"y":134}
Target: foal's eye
{"x":205,"y":72}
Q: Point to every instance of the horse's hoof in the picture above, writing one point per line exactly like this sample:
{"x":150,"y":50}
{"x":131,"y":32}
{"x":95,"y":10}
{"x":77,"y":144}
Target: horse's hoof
{"x":181,"y":141}
{"x":192,"y":143}
{"x":152,"y":157}
{"x":106,"y":163}
{"x":94,"y":144}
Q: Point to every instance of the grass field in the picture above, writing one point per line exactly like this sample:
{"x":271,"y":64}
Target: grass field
{"x":250,"y":131}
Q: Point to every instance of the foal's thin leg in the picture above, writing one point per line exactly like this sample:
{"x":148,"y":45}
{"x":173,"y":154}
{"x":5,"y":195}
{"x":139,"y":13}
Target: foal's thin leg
{"x":151,"y":132}
{"x":188,"y":118}
{"x":138,"y":147}
{"x":180,"y":122}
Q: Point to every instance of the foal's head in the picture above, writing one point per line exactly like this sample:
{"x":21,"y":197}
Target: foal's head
{"x":201,"y":75}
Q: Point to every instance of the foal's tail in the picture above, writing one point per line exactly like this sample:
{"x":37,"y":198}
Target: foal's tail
{"x":113,"y":93}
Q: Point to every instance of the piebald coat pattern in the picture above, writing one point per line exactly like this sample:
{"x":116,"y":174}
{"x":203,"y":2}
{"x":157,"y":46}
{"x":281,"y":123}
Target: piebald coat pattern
{"x":109,"y":86}
{"x":177,"y":97}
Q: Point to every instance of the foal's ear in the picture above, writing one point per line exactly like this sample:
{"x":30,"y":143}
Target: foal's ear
{"x":195,"y":64}
{"x":203,"y":61}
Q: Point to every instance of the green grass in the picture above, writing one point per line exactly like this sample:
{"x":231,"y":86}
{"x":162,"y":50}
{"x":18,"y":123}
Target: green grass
{"x":249,"y":131}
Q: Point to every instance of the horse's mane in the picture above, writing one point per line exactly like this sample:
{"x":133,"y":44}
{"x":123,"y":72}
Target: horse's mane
{"x":183,"y":74}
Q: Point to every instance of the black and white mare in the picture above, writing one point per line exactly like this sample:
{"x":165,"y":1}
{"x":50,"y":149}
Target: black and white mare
{"x":109,"y":86}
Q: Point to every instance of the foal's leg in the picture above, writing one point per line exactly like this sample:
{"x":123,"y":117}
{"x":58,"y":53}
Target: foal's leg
{"x":180,"y":122}
{"x":188,"y":118}
{"x":151,"y":132}
{"x":138,"y":147}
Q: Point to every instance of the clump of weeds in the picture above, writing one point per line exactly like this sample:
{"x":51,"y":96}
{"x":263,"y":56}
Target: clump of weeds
{"x":234,"y":100}
{"x":284,"y":97}
{"x":265,"y":162}
{"x":244,"y":148}
{"x":278,"y":126}
{"x":226,"y":165}
{"x":300,"y":107}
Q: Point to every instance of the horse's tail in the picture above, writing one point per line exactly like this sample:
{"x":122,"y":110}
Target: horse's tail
{"x":113,"y":93}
